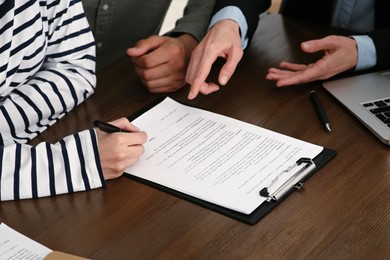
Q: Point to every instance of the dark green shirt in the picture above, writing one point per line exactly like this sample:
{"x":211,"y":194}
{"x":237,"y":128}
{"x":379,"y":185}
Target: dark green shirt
{"x":120,"y":24}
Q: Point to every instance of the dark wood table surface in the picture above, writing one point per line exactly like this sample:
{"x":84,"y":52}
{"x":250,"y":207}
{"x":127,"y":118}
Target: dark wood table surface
{"x":343,"y":211}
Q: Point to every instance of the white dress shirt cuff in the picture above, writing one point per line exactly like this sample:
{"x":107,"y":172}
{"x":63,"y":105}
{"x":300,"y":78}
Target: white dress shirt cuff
{"x":366,"y":52}
{"x":233,"y":13}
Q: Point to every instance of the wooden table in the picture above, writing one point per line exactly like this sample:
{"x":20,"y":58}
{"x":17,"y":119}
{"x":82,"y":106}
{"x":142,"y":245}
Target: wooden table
{"x":343,"y":211}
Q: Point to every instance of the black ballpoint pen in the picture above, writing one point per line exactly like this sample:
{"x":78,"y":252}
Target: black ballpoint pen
{"x":108,"y":128}
{"x":320,"y":110}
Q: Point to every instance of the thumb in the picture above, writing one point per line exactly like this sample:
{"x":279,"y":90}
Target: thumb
{"x":124,"y":123}
{"x":308,"y":47}
{"x":229,"y":67}
{"x":326,"y":43}
{"x":144,"y":46}
{"x":131,"y":128}
{"x":136,"y":51}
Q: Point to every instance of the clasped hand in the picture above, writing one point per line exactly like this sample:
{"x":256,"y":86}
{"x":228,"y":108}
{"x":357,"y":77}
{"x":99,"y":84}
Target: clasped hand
{"x":161,"y":61}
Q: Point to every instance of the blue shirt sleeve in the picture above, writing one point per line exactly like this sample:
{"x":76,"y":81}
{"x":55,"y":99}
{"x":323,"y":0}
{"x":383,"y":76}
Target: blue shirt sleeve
{"x":366,"y":52}
{"x":233,"y":13}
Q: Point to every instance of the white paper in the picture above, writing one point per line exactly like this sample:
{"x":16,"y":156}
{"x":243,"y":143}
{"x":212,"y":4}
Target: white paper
{"x":16,"y":246}
{"x":213,"y":157}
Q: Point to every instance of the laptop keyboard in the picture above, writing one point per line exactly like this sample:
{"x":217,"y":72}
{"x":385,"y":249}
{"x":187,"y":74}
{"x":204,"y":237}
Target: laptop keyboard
{"x":380,"y":108}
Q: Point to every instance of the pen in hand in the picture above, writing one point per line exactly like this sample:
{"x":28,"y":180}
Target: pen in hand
{"x":320,"y":110}
{"x":108,"y":128}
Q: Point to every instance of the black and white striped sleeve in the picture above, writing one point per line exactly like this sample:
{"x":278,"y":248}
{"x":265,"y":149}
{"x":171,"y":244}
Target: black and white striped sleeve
{"x":49,"y":69}
{"x":58,"y":44}
{"x":68,"y":166}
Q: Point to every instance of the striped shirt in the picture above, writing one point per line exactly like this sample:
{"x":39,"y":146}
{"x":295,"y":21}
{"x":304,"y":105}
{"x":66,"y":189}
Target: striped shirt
{"x":47,"y":67}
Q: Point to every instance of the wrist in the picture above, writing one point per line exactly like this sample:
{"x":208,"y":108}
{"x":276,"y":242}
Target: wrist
{"x":229,"y":24}
{"x":189,"y":43}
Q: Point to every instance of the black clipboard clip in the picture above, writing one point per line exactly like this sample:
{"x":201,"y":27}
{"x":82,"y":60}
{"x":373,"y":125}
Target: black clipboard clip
{"x":299,"y":172}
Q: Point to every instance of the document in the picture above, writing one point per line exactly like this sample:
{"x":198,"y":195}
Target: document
{"x":215,"y":158}
{"x":14,"y":245}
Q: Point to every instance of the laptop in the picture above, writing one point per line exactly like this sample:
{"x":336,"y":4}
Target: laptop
{"x":367,"y":97}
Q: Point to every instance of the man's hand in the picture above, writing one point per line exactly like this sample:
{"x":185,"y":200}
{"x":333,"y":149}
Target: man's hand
{"x":223,"y":40}
{"x":340,"y":54}
{"x":161,"y":62}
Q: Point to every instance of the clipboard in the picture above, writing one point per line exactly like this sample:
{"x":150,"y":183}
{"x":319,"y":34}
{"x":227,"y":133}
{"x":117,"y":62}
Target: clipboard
{"x":315,"y":164}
